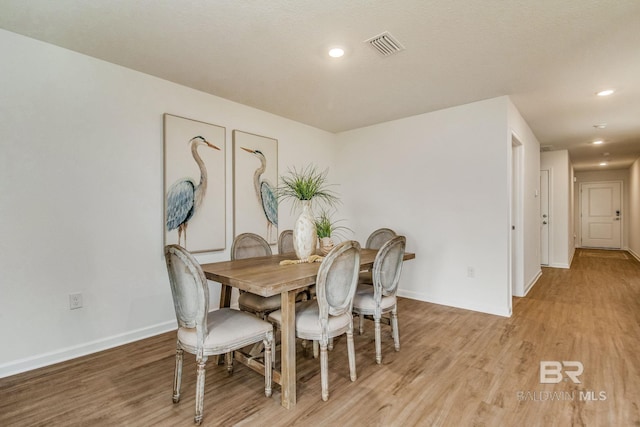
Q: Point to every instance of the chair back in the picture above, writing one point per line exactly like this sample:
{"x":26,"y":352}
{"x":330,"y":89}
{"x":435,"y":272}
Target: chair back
{"x":387,"y":267}
{"x":249,"y":245}
{"x":285,"y":242}
{"x":189,"y":289}
{"x":379,"y":237}
{"x":337,"y":280}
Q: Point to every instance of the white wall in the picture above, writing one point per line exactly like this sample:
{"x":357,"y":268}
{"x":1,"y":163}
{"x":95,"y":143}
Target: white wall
{"x":561,"y":247}
{"x":621,"y":175}
{"x":81,"y":207}
{"x":530,"y":189}
{"x":634,"y":210}
{"x":440,"y":179}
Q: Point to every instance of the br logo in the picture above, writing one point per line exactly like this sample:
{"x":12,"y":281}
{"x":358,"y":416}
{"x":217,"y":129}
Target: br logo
{"x":551,"y":371}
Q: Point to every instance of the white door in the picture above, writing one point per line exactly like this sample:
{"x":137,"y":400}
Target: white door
{"x":601,"y":215}
{"x":544,"y":217}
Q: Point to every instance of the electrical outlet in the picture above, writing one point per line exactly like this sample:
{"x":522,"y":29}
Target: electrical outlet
{"x":471,"y":272}
{"x":75,"y":301}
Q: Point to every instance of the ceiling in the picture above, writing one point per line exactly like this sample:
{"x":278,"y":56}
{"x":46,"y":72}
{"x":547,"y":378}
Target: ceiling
{"x":550,"y":56}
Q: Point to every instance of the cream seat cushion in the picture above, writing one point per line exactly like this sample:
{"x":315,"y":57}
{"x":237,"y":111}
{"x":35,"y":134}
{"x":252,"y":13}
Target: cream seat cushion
{"x":308,"y":320}
{"x":259,"y":303}
{"x":233,"y":329}
{"x":364,"y":300}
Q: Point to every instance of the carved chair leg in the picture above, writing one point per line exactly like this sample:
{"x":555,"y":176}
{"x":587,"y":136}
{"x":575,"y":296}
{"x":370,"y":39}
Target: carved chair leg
{"x":201,"y":375}
{"x":394,"y":328}
{"x":330,"y":346}
{"x":361,"y":323}
{"x":324,"y":368}
{"x":316,"y":349}
{"x":378,"y":344}
{"x":228,"y":358}
{"x":352,"y":354}
{"x":177,"y":376}
{"x":268,"y":363}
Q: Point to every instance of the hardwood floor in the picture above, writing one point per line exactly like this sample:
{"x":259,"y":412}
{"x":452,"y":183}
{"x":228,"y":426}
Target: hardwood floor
{"x":455,"y":368}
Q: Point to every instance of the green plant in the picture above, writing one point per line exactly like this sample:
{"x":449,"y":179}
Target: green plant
{"x":325,"y":227}
{"x":307,"y":184}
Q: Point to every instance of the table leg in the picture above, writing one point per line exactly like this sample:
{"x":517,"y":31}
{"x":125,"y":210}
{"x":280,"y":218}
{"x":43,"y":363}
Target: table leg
{"x":288,"y":346}
{"x":225,"y":296}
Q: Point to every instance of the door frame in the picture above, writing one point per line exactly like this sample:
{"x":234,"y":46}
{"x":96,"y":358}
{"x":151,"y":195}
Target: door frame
{"x":516,"y":218}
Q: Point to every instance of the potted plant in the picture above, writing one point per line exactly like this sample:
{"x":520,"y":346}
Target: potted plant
{"x":305,"y":186}
{"x":326,"y":229}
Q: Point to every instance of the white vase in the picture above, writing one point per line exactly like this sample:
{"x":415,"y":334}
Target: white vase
{"x":305,"y":238}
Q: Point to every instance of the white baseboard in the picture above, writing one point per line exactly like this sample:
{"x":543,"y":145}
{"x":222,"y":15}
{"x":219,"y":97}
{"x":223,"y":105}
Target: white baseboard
{"x":46,"y":359}
{"x":532,"y":282}
{"x":635,"y":255}
{"x":559,"y":265}
{"x":467,"y":305}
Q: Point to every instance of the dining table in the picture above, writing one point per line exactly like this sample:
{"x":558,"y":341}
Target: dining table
{"x":265,"y":276}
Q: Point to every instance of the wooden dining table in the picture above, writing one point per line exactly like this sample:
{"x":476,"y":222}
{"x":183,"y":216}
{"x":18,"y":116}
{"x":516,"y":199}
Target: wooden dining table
{"x":266,"y":277}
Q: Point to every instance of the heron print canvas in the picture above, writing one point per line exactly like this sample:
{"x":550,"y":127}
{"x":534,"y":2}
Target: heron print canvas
{"x":255,"y":168}
{"x":194,"y":184}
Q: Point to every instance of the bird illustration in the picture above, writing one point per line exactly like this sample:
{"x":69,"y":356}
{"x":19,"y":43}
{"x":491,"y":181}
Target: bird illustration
{"x":265,"y":192}
{"x":184,"y":196}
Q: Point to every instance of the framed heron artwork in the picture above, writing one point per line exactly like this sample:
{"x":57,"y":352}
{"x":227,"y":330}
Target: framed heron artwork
{"x":194,"y":184}
{"x":255,"y":177}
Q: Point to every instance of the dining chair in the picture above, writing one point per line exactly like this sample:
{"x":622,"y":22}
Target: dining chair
{"x":205,"y":333}
{"x":375,"y":241}
{"x":285,"y":242}
{"x":379,"y":237}
{"x":330,"y":314}
{"x":250,"y":245}
{"x":380,"y":298}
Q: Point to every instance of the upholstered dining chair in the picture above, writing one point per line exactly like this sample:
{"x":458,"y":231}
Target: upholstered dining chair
{"x":375,"y":241}
{"x":205,"y":333}
{"x":379,"y":237}
{"x":380,"y":298}
{"x":330,"y":314}
{"x":285,"y":242}
{"x":250,"y":245}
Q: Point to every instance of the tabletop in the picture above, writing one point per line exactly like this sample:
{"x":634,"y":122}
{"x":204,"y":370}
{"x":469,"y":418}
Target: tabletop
{"x":266,"y":277}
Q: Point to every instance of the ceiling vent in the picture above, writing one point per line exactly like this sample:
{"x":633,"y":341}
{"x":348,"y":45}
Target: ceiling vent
{"x":544,"y":148}
{"x":385,"y":44}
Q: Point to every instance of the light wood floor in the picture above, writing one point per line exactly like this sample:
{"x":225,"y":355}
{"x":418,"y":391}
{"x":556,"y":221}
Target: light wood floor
{"x":455,"y":368}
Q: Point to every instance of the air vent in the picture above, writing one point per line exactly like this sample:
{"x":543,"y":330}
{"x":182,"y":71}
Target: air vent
{"x":546,"y":148}
{"x":385,"y":44}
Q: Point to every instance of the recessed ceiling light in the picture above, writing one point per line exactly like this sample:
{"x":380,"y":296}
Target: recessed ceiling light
{"x":336,"y":52}
{"x":600,"y":126}
{"x":603,"y":163}
{"x":606,"y":92}
{"x":598,"y":142}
